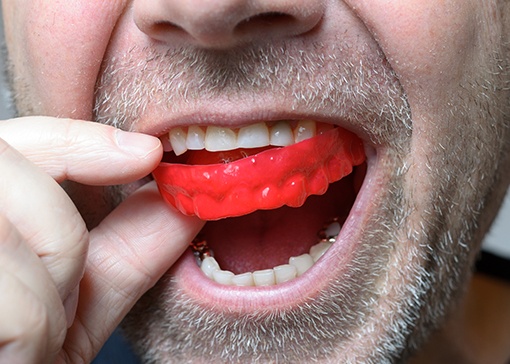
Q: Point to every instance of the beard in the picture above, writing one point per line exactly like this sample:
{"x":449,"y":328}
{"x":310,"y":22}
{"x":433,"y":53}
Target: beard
{"x":166,"y":325}
{"x":404,"y":275}
{"x":414,"y":256}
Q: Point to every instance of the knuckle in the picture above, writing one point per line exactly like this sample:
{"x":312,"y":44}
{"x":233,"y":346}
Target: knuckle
{"x":66,"y":261}
{"x":27,"y":326}
{"x":7,"y":230}
{"x":4,"y":146}
{"x":84,"y":348}
{"x":24,"y":319}
{"x":7,"y":152}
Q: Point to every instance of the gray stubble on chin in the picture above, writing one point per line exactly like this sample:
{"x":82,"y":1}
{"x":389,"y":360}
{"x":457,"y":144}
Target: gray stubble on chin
{"x":168,"y":327}
{"x":432,"y":259}
{"x":165,"y":324}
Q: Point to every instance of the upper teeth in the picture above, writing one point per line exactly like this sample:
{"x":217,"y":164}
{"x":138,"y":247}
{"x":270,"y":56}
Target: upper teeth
{"x":215,"y":138}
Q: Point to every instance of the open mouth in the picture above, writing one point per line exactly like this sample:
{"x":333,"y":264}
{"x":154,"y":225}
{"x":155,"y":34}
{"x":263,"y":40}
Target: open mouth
{"x":276,"y":195}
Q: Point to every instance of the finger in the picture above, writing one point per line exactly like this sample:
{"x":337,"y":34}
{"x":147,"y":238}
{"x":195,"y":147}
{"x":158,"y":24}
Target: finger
{"x":45,"y":216}
{"x":81,"y":151}
{"x":23,"y":337}
{"x":131,"y":249}
{"x":32,"y":321}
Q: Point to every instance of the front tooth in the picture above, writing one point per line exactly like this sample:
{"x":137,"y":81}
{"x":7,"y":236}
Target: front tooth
{"x":284,"y":273}
{"x":281,"y":134}
{"x":196,"y":138}
{"x":302,"y":263}
{"x":209,"y":266}
{"x":219,"y":139}
{"x":305,"y":129}
{"x":264,"y":277}
{"x":223,"y":277}
{"x":244,"y":279}
{"x":319,"y":249}
{"x":253,"y":136}
{"x":177,"y":137}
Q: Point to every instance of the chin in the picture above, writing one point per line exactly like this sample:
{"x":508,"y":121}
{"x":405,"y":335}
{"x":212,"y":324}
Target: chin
{"x":346,"y":276}
{"x":341,"y":227}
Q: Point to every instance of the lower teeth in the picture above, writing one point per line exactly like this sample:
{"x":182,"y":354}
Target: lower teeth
{"x":267,"y":277}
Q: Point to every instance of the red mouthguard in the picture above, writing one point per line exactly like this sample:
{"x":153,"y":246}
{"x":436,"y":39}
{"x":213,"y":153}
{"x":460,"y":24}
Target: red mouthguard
{"x":264,"y":181}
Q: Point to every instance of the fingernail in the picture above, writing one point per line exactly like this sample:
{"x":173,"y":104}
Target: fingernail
{"x":137,"y":144}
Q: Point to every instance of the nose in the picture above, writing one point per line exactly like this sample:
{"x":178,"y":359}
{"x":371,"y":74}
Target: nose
{"x":225,"y":23}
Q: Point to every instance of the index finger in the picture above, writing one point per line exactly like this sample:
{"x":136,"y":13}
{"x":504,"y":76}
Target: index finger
{"x":129,"y":251}
{"x":82,"y":151}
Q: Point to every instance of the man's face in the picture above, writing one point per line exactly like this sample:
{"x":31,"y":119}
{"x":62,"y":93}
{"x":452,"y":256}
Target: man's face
{"x":424,"y":84}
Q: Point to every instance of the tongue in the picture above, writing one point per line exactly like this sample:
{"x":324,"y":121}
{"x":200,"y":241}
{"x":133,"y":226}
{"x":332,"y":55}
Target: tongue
{"x":265,"y":239}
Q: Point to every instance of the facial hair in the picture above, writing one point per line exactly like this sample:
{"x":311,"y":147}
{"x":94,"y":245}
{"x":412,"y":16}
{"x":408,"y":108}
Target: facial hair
{"x":400,"y":283}
{"x":403,"y":277}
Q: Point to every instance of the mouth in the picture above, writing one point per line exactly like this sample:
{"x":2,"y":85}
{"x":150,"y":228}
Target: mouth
{"x":278,"y":197}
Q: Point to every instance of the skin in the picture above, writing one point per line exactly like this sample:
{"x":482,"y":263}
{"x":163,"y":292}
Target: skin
{"x":441,"y":169}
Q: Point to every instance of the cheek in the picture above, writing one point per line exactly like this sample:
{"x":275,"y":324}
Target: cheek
{"x":431,"y":44}
{"x":441,"y":51}
{"x":56,"y":47}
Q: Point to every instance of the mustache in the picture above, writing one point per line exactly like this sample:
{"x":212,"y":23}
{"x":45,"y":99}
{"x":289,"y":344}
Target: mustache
{"x":351,"y":82}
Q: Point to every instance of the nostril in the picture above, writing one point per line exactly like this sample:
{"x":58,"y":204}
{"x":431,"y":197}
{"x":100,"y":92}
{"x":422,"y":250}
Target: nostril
{"x":165,"y":26}
{"x":269,"y":17}
{"x":226,"y":23}
{"x":264,"y":20}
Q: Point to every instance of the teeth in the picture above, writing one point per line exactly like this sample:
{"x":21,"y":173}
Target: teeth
{"x":333,"y":229}
{"x":305,"y":129}
{"x":284,"y":273}
{"x":264,"y":277}
{"x":244,"y":279}
{"x":318,"y":250}
{"x":302,"y":263}
{"x":214,"y":138}
{"x":218,"y":139}
{"x":196,"y":138}
{"x":267,"y":277}
{"x":223,"y":277}
{"x":209,"y":266}
{"x":177,"y":139}
{"x":253,"y":136}
{"x":281,"y":134}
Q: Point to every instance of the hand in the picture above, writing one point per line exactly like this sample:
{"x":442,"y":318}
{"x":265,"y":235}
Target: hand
{"x":64,"y":289}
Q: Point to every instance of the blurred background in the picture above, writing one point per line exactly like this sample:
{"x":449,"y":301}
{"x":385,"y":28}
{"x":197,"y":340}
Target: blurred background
{"x":498,"y":241}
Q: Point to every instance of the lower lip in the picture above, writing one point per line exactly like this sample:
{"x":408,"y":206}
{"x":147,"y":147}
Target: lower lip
{"x":214,"y":296}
